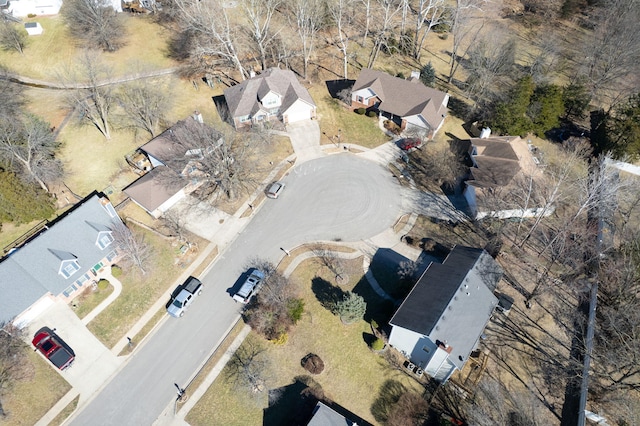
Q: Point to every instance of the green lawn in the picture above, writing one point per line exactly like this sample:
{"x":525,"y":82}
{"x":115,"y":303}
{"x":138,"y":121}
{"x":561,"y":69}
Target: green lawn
{"x":89,"y":299}
{"x":353,"y":374}
{"x":30,"y":399}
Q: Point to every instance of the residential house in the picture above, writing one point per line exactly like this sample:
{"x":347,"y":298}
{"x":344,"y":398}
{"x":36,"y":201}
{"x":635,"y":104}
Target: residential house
{"x":59,"y":261}
{"x":274,"y":94}
{"x":331,"y":414}
{"x":23,"y":8}
{"x":497,"y":164}
{"x":169,"y":163}
{"x":442,"y":319}
{"x":409,"y":103}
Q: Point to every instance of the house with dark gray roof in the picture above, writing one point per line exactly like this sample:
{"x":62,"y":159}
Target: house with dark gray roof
{"x":497,"y":164}
{"x":409,"y":103}
{"x":274,"y":94}
{"x":59,"y":261}
{"x":328,"y":413}
{"x":168,"y":162}
{"x":440,"y":322}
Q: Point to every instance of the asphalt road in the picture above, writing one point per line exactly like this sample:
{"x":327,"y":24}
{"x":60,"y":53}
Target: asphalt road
{"x":335,"y":197}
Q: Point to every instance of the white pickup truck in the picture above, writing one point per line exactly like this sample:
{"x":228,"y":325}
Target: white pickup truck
{"x":188,"y":291}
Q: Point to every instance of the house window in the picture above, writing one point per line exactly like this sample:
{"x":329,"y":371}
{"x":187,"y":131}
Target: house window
{"x":112,"y":255}
{"x":270,"y":102}
{"x":360,"y":99}
{"x":104,"y":239}
{"x":69,"y":268}
{"x":110,"y":210}
{"x":83,"y":279}
{"x":244,"y":119}
{"x":97,"y":267}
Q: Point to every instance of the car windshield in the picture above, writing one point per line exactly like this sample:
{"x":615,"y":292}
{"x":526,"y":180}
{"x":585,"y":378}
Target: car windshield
{"x":177,"y":304}
{"x":47,"y":345}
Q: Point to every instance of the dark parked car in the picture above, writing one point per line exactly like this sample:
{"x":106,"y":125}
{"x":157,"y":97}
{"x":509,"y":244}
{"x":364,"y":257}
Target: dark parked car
{"x":275,"y":189}
{"x":53,"y":348}
{"x":409,"y":143}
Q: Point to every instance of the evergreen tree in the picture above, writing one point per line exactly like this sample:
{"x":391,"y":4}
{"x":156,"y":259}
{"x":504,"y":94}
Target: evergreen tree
{"x":351,"y":308}
{"x":625,"y":128}
{"x":576,"y":100}
{"x":21,"y":202}
{"x":546,"y":108}
{"x":510,"y":117}
{"x":428,"y":75}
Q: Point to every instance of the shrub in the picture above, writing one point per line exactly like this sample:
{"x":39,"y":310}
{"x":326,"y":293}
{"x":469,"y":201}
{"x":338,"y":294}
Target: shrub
{"x":116,"y":271}
{"x":295,"y":308}
{"x":372,"y":114}
{"x":31,"y":15}
{"x":281,"y":340}
{"x":377,"y":344}
{"x":103,"y":284}
{"x":351,"y":308}
{"x":312,"y":363}
{"x":361,"y":111}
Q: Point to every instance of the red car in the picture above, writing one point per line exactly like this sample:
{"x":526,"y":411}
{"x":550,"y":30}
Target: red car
{"x":53,"y":348}
{"x":409,"y":143}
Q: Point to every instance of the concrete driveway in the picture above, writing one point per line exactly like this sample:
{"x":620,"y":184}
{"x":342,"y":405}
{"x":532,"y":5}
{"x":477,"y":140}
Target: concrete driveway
{"x":305,"y":140}
{"x":94,"y":362}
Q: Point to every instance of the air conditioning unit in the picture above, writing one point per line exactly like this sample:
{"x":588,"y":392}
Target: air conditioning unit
{"x":419,"y":372}
{"x":411,"y":366}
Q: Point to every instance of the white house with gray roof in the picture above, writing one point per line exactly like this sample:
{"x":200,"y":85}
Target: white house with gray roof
{"x":440,"y":322}
{"x":59,"y":261}
{"x":273,"y":95}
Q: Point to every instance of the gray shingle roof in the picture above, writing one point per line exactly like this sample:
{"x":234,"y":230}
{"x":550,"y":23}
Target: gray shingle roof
{"x":32,"y":271}
{"x":453,"y":301}
{"x":497,"y":162}
{"x":155,"y":187}
{"x":404,"y":97}
{"x":243,"y":99}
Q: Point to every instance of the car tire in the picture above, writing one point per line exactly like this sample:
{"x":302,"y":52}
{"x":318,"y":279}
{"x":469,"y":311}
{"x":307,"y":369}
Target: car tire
{"x":182,"y":313}
{"x":199,"y":292}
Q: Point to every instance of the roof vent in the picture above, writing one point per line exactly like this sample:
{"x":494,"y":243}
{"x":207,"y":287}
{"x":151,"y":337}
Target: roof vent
{"x":468,"y":294}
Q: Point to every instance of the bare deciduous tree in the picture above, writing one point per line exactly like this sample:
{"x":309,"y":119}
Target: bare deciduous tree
{"x":612,"y":52}
{"x":385,"y":11}
{"x":491,"y":58}
{"x":28,"y":146}
{"x":463,"y":31}
{"x":12,"y":37}
{"x":14,"y":363}
{"x":145,"y":104}
{"x":132,"y":246}
{"x":308,"y":17}
{"x":428,"y":14}
{"x":211,"y":34}
{"x":11,"y":95}
{"x":248,"y":367}
{"x":89,"y":96}
{"x":95,"y":23}
{"x":342,"y":13}
{"x":259,"y":14}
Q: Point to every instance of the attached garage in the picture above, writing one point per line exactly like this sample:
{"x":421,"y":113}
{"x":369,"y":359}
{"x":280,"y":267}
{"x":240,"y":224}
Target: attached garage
{"x":298,"y":111}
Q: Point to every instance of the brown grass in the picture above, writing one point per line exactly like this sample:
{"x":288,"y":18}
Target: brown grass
{"x":139,"y":292}
{"x":29,"y":400}
{"x":89,"y":299}
{"x":351,"y":367}
{"x":47,"y":55}
{"x":65,"y":413}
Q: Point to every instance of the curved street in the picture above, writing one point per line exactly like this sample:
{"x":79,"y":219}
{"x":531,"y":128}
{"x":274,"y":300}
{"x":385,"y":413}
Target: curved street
{"x":337,"y":197}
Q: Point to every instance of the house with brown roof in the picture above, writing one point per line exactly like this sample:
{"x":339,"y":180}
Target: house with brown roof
{"x":168,"y":163}
{"x":274,"y":94}
{"x":408,"y":103}
{"x":442,"y":319}
{"x":497,"y":166}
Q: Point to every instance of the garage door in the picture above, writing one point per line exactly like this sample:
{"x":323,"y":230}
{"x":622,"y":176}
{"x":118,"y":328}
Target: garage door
{"x":297,"y":112}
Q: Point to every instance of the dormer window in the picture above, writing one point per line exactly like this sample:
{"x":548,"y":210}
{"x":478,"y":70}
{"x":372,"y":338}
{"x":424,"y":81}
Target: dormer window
{"x":104,"y":239}
{"x":69,"y":267}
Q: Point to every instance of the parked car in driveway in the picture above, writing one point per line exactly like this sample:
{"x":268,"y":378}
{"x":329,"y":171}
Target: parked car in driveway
{"x":191,"y":288}
{"x":275,"y":189}
{"x":53,"y":348}
{"x":250,"y":286}
{"x":408,"y":144}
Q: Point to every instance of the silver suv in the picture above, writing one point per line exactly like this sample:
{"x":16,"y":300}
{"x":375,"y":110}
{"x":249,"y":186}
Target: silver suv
{"x":249,"y":287}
